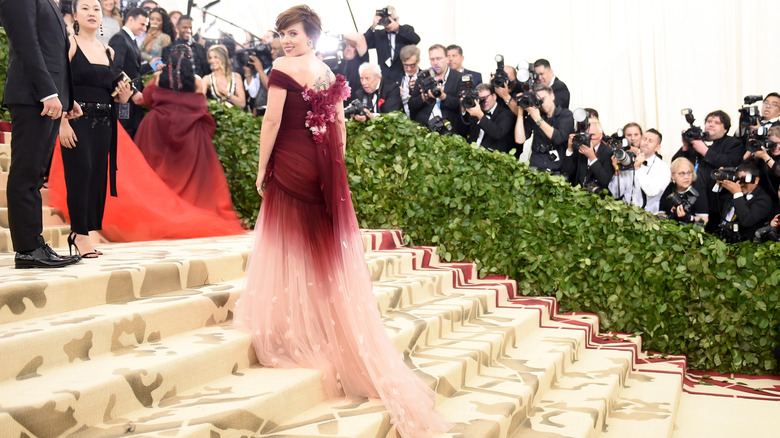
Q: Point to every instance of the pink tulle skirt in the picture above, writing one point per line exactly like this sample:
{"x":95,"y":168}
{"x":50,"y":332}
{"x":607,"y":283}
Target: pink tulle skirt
{"x":308,"y":302}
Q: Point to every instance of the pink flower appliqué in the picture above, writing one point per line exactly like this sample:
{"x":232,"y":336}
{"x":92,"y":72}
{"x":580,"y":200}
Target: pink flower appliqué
{"x":323,"y":107}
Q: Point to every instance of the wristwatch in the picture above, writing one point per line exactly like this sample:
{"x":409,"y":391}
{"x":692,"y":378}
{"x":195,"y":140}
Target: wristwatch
{"x":507,"y":101}
{"x":539,"y":122}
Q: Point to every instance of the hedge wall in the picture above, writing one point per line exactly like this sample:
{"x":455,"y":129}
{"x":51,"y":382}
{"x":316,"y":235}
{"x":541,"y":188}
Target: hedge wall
{"x":683,"y":290}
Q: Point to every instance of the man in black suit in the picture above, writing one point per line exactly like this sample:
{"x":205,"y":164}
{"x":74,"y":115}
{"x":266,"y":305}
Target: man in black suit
{"x":425,"y":107}
{"x":455,"y":60}
{"x":489,"y":124}
{"x":547,"y":78}
{"x":184,"y":30}
{"x":38,"y":91}
{"x":127,"y":58}
{"x":589,"y":165}
{"x":388,"y":43}
{"x":378,"y":95}
{"x":745,"y":205}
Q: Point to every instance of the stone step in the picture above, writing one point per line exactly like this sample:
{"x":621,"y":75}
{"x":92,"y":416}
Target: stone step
{"x":5,"y":163}
{"x":51,"y":217}
{"x":646,"y":407}
{"x":56,"y":236}
{"x":3,"y":179}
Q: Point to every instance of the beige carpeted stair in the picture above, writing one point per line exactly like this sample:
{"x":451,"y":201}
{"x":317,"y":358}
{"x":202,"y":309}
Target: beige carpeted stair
{"x":139,"y":342}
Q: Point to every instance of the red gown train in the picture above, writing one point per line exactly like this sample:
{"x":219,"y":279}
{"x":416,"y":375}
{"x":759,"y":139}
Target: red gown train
{"x":308,"y":300}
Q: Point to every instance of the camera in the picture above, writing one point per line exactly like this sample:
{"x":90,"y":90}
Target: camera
{"x":428,"y":82}
{"x":469,"y":97}
{"x":694,"y":132}
{"x":355,"y":108}
{"x":527,"y":77}
{"x":620,"y":149}
{"x":758,"y":141}
{"x":260,"y":51}
{"x":730,"y":174}
{"x":749,"y":114}
{"x":581,"y":136}
{"x":500,"y":78}
{"x":384,"y":16}
{"x":767,"y":233}
{"x":729,"y":232}
{"x":528,"y":99}
{"x":687,"y":200}
{"x":440,"y":125}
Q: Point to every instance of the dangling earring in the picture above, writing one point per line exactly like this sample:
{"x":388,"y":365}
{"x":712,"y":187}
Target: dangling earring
{"x":101,"y":29}
{"x":76,"y":27}
{"x":310,"y":43}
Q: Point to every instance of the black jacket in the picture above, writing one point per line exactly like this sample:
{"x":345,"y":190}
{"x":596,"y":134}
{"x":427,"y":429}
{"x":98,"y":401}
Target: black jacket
{"x":378,"y":39}
{"x":389,"y":97}
{"x":127,"y":58}
{"x":580,"y":174}
{"x":749,"y":214}
{"x":498,"y":127}
{"x":562,"y":122}
{"x":38,"y":64}
{"x":450,"y":107}
{"x":561,"y":92}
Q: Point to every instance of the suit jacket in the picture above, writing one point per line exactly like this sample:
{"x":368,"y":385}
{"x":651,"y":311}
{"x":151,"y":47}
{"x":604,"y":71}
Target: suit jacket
{"x":498,"y":127}
{"x":750,"y":214}
{"x":600,"y":173}
{"x":450,"y":107}
{"x":389,"y":97}
{"x":378,"y":39}
{"x":38,"y":64}
{"x":127,"y":58}
{"x":561,"y":92}
{"x":475,"y":76}
{"x":199,"y":62}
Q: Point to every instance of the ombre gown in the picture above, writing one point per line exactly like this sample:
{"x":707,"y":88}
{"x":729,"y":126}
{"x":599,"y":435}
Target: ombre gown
{"x":308,"y":301}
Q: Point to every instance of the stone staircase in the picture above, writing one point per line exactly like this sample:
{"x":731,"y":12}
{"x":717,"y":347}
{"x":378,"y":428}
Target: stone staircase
{"x":139,"y":342}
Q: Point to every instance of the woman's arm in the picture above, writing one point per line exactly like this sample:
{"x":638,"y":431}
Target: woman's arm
{"x":239,"y":97}
{"x":271,"y":122}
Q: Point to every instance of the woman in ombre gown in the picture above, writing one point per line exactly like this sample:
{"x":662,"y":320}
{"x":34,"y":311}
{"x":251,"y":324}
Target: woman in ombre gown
{"x":308,"y":301}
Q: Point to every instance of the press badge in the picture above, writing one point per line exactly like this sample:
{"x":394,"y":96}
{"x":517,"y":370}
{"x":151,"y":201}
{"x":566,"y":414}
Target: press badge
{"x":124,"y":111}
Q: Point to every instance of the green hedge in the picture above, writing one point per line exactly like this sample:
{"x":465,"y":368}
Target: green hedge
{"x":682,"y":289}
{"x":4,"y":115}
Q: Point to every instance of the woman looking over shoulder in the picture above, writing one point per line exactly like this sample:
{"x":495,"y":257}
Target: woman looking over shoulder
{"x":223,"y":84}
{"x":308,"y":300}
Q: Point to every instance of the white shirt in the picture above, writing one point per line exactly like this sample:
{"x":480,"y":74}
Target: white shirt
{"x":643,"y":187}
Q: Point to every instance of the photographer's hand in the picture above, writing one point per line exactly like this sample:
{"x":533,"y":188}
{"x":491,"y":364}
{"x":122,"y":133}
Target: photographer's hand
{"x":640,"y":158}
{"x":474,"y":111}
{"x":761,"y":153}
{"x":615,"y":165}
{"x":569,"y":143}
{"x":731,"y":186}
{"x":535,"y":114}
{"x":679,"y":211}
{"x":256,"y":62}
{"x":503,"y":93}
{"x":443,"y":94}
{"x":589,"y":152}
{"x":775,"y":221}
{"x":685,"y":145}
{"x":376,"y":21}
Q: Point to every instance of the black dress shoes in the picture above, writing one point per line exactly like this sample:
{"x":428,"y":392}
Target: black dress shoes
{"x":43,"y":257}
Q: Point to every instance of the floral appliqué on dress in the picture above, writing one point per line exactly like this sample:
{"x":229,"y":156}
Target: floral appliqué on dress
{"x":323,"y":107}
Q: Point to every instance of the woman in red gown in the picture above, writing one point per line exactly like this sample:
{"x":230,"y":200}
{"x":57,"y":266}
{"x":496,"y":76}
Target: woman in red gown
{"x":147,"y":208}
{"x":309,"y":300}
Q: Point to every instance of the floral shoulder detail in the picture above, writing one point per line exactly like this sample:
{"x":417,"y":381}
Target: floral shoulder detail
{"x":323,"y":106}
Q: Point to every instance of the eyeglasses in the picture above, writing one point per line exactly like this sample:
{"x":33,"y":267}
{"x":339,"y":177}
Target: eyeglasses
{"x":410,"y":65}
{"x":686,"y":173}
{"x":771,"y":104}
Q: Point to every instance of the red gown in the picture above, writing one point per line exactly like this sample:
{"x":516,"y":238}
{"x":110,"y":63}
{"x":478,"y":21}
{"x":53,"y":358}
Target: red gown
{"x":175,"y":137}
{"x":308,"y":300}
{"x":145,"y":208}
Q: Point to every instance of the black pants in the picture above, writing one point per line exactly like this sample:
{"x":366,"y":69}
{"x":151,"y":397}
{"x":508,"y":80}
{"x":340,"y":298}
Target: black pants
{"x":32,"y":143}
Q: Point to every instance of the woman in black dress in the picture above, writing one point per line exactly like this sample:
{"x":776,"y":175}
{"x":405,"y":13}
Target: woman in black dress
{"x":89,"y":141}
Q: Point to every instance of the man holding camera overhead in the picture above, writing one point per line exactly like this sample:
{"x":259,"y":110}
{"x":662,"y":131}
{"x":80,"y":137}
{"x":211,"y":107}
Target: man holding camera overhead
{"x":488,"y":124}
{"x":724,"y":151}
{"x":550,"y":125}
{"x":644,"y":182}
{"x":388,"y":42}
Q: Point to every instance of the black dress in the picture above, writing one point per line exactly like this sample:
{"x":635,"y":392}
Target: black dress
{"x":86,"y":165}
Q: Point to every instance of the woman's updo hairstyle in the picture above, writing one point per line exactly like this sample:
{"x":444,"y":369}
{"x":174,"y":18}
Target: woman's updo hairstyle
{"x":301,"y":14}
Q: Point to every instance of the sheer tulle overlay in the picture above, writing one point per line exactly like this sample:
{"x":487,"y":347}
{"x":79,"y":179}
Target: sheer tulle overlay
{"x":308,"y":300}
{"x":145,"y":208}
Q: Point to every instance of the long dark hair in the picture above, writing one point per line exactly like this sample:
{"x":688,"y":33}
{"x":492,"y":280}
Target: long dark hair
{"x":167,"y":24}
{"x":178,"y":74}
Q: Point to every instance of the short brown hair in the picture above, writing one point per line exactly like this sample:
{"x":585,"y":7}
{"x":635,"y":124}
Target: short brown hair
{"x":409,"y":51}
{"x":722,"y":116}
{"x":304,"y":15}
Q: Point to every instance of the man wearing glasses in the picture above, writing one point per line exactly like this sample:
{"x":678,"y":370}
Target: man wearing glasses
{"x":410,"y":59}
{"x":488,"y":124}
{"x":770,"y":111}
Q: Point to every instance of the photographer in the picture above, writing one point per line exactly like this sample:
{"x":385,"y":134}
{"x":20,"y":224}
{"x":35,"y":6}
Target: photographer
{"x":768,"y":151}
{"x":377,"y":95}
{"x":589,"y":164}
{"x":355,"y":55}
{"x":489,"y":124}
{"x":724,"y":151}
{"x":410,"y":59}
{"x":425,"y":106}
{"x":771,"y":231}
{"x":389,"y":41}
{"x":684,"y":199}
{"x":770,"y":111}
{"x":508,"y":91}
{"x":546,"y":77}
{"x":550,"y":125}
{"x":745,"y":205}
{"x":633,"y":133}
{"x":643,"y":184}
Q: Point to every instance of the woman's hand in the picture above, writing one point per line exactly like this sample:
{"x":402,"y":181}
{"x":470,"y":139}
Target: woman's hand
{"x":67,"y":136}
{"x":259,"y":182}
{"x":124,"y":92}
{"x":679,"y":211}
